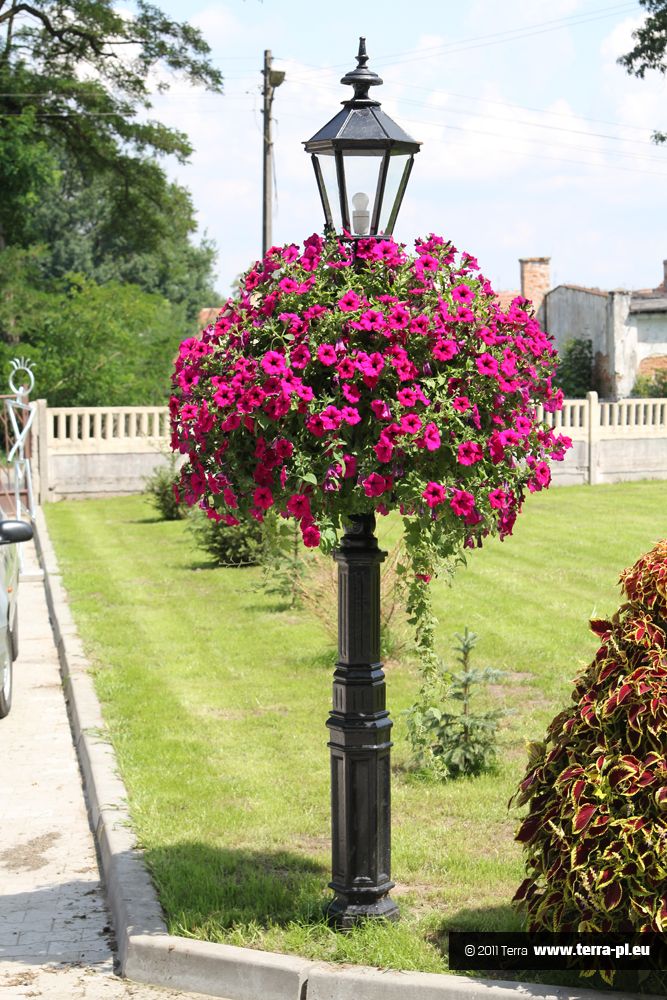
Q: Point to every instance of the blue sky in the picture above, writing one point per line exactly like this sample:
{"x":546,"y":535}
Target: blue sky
{"x":535,"y":142}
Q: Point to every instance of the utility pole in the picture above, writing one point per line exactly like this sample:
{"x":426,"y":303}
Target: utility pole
{"x":272,"y":79}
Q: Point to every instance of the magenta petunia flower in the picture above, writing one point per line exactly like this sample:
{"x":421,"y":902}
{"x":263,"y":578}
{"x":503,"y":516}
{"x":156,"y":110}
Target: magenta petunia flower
{"x":350,"y":466}
{"x":384,"y":449}
{"x":372,"y":319}
{"x":273,"y":363}
{"x":350,"y":302}
{"x":288,"y":285}
{"x":263,"y":498}
{"x":469,"y":452}
{"x":463,"y":293}
{"x":189,"y":412}
{"x":374,"y":485}
{"x":315,"y":425}
{"x":462,"y":503}
{"x":487,"y":365}
{"x":299,"y":356}
{"x":380,"y":409}
{"x":498,"y":499}
{"x":351,"y":415}
{"x":434,"y":494}
{"x":420,"y":324}
{"x":398,"y":318}
{"x":431,"y":437}
{"x":445,"y":350}
{"x":326,"y":354}
{"x":351,"y":392}
{"x":461,"y":403}
{"x":346,"y":368}
{"x":331,"y":418}
{"x":411,"y":424}
{"x":311,"y":536}
{"x":284,"y":448}
{"x":298,"y":505}
{"x":406,"y":397}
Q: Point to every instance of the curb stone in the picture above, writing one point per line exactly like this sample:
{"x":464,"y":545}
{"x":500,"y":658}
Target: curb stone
{"x":146,"y":952}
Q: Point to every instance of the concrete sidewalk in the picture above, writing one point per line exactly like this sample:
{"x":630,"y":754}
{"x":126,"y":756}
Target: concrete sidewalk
{"x":56,"y":938}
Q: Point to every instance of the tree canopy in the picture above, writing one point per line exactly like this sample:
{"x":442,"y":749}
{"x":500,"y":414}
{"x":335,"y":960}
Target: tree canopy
{"x":99,"y":276}
{"x":650,"y":49}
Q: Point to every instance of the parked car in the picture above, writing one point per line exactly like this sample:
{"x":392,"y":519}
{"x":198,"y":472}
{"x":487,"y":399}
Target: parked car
{"x":11,"y":532}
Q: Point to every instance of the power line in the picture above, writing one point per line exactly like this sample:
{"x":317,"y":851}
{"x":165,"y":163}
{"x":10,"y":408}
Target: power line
{"x":497,"y":37}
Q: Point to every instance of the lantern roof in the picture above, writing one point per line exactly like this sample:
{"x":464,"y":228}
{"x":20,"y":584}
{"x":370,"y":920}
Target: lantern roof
{"x":362,"y":122}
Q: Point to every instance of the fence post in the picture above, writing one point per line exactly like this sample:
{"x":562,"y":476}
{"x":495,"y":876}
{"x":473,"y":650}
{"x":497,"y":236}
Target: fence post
{"x":593,"y":436}
{"x":41,"y":432}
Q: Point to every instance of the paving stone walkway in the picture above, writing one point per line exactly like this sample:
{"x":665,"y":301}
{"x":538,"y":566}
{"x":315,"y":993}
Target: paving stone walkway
{"x":56,"y":938}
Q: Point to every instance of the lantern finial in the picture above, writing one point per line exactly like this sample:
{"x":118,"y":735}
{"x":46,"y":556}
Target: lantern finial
{"x":362,"y":79}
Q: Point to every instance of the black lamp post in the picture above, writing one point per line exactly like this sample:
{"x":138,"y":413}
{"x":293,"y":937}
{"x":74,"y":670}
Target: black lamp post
{"x":359,"y":150}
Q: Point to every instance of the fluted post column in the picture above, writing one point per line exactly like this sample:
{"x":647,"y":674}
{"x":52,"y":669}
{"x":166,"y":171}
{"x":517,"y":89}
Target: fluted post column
{"x":360,"y":728}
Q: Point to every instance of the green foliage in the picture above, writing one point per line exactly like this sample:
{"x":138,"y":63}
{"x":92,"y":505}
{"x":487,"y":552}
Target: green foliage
{"x":92,"y":345}
{"x":454,"y":744}
{"x":650,"y":49}
{"x":28,"y":171}
{"x":85,"y":228}
{"x":237,"y":545}
{"x":96,"y":121}
{"x":650,"y":385}
{"x":575,"y":369}
{"x":160,"y":489}
{"x":595,"y":835}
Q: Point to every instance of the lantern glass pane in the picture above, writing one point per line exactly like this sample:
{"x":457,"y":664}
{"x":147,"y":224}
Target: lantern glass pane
{"x":327,"y":164}
{"x":361,"y":178}
{"x":397,"y":163}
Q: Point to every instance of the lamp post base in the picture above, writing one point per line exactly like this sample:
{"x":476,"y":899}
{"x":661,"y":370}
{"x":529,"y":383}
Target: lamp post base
{"x":344,"y":912}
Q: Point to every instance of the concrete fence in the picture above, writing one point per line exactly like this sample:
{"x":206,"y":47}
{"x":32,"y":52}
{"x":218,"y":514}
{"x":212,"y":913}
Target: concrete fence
{"x":93,"y":451}
{"x":612,"y":442}
{"x":97,"y":450}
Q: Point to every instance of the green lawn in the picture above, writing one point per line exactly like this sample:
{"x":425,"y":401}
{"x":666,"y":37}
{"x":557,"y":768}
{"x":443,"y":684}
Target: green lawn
{"x":216,"y":699}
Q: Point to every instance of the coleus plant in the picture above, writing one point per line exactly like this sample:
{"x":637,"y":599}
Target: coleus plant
{"x":355,"y":378}
{"x":595,"y":836}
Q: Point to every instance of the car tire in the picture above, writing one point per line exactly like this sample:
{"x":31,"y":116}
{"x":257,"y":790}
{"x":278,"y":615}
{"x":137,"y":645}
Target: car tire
{"x":14,"y":637}
{"x":6,"y":683}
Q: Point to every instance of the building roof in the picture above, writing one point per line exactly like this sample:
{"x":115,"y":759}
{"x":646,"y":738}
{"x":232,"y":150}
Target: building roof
{"x":653,"y":302}
{"x":581,"y":288}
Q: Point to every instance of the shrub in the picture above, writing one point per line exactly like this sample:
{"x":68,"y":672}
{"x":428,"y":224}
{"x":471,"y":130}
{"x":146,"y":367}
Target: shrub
{"x":575,"y":368}
{"x":160,"y":489}
{"x":237,"y":545}
{"x":455,"y":744}
{"x":651,"y":385}
{"x":596,"y":832}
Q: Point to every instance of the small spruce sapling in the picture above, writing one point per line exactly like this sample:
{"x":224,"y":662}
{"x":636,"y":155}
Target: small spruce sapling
{"x":455,"y":744}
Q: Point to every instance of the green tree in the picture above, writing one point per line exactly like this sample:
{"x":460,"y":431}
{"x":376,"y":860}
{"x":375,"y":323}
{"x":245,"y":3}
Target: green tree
{"x":74,"y":81}
{"x":650,"y":49}
{"x":99,"y":345}
{"x":80,"y":231}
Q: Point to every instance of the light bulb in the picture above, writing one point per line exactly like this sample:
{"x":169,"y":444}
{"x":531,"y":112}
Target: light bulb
{"x":361,"y":217}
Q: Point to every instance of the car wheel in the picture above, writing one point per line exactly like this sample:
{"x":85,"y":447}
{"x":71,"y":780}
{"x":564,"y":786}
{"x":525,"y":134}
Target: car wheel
{"x":14,"y":637}
{"x":5,"y":683}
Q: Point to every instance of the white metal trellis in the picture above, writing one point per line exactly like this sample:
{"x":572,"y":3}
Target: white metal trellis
{"x":18,"y":408}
